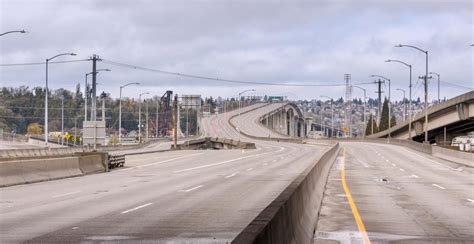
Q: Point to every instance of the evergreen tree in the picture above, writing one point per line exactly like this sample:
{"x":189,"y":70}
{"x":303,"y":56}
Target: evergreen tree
{"x":368,"y":129}
{"x":393,"y":121}
{"x":384,"y":118}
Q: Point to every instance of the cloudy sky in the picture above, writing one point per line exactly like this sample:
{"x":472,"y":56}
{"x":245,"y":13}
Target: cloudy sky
{"x":284,"y":42}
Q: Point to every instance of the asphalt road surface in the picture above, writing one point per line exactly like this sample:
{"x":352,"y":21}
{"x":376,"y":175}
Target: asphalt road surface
{"x":200,"y":196}
{"x":402,"y":196}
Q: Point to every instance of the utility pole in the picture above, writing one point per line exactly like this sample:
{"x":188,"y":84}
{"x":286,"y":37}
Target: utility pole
{"x":175,"y":121}
{"x":348,"y":119}
{"x":146,"y":122}
{"x":187,"y":121}
{"x":94,"y":88}
{"x":379,"y":91}
{"x":404,"y":104}
{"x":62,"y":120}
{"x":439,"y":100}
{"x":425,"y":81}
{"x":157,"y":114}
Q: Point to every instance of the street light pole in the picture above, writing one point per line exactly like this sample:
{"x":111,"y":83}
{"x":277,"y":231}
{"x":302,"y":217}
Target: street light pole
{"x":85,"y":91}
{"x":16,"y":31}
{"x":389,"y":103}
{"x":240,"y":93}
{"x":62,"y":120}
{"x":120,"y":109}
{"x":140,"y":116}
{"x":157,"y":114}
{"x":439,"y":100}
{"x":410,"y":114}
{"x":46,"y":96}
{"x":426,"y":87}
{"x":365,"y":105}
{"x":404,"y":104}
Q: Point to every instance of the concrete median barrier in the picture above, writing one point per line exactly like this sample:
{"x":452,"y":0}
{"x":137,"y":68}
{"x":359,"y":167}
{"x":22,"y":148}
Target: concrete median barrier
{"x":464,"y":158}
{"x":15,"y":171}
{"x":91,"y":163}
{"x":35,"y":170}
{"x":292,"y":216}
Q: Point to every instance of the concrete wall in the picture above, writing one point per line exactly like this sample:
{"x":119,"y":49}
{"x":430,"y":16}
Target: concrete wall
{"x":464,"y":158}
{"x":24,"y":171}
{"x":459,"y":157}
{"x":292,"y":216}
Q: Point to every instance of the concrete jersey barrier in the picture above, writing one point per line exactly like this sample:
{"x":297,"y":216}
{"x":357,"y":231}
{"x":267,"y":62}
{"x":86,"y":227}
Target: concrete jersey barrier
{"x":463,"y":158}
{"x":292,"y":216}
{"x":36,"y":170}
{"x":31,"y":170}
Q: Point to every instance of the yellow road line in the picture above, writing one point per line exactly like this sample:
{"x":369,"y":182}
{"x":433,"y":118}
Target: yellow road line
{"x":355,"y":212}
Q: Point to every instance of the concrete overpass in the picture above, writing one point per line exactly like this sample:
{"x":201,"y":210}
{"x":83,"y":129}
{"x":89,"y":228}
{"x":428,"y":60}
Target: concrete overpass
{"x":286,"y":119}
{"x":455,"y":115}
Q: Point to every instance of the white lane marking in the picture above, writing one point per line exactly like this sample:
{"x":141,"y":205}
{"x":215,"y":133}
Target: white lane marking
{"x":265,"y":164}
{"x":168,"y":160}
{"x":446,"y":166}
{"x":192,"y":189}
{"x":414,"y":176}
{"x":402,"y":170}
{"x":363,"y":163}
{"x":136,"y":208}
{"x":66,"y":194}
{"x":231,"y":175}
{"x":249,"y":169}
{"x":470,"y":200}
{"x":394,"y":165}
{"x":227,"y":161}
{"x":388,"y":161}
{"x":440,"y":187}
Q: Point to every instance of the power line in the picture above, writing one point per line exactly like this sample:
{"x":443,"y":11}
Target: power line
{"x":43,"y":63}
{"x":212,"y":78}
{"x":456,"y":85}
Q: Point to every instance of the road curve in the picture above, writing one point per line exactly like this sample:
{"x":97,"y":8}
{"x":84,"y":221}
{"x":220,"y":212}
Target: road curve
{"x":183,"y":196}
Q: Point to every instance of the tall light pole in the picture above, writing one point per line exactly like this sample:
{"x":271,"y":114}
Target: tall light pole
{"x":46,"y":96}
{"x":140,"y":116}
{"x":85,"y":91}
{"x":321,"y":114}
{"x":332,"y":115}
{"x":157,"y":114}
{"x":410,"y":114}
{"x":434,"y":73}
{"x":404,"y":104}
{"x":389,"y":103}
{"x":240,"y":93}
{"x":120,"y":109}
{"x":15,"y":31}
{"x":365,"y":105}
{"x":62,"y":120}
{"x":426,"y":87}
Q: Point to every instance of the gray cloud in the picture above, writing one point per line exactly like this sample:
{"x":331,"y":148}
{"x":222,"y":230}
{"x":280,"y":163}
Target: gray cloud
{"x":270,"y":41}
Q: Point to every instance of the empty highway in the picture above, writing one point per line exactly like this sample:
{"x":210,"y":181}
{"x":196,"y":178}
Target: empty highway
{"x":185,"y":196}
{"x":401,"y":195}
